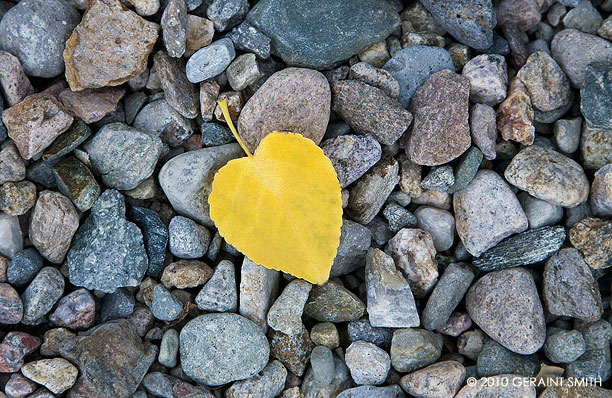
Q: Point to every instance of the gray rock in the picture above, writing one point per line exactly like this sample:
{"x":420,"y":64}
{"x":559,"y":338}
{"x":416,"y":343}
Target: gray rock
{"x":158,"y":384}
{"x":214,"y":134}
{"x":36,"y":32}
{"x":564,"y":346}
{"x":352,"y":156}
{"x":165,"y":306}
{"x":398,"y":217}
{"x":181,"y":94}
{"x":269,"y":383}
{"x":303,"y":39}
{"x":539,"y":212}
{"x":220,"y":348}
{"x":526,"y":248}
{"x":12,"y":164}
{"x":188,"y":239}
{"x":595,"y":97}
{"x":119,"y":304}
{"x":466,"y":169}
{"x":168,"y":348}
{"x":583,"y":17}
{"x":506,"y":306}
{"x":258,"y":288}
{"x":174,"y":27}
{"x":439,"y":223}
{"x":155,"y":235}
{"x":332,"y":302}
{"x":495,"y":386}
{"x":220,"y":293}
{"x":247,"y":38}
{"x":393,"y":391}
{"x":285,"y":315}
{"x":446,"y":295}
{"x":107,"y":251}
{"x":210,"y":61}
{"x":439,"y":179}
{"x":488,"y":78}
{"x":75,"y":180}
{"x":133,"y":104}
{"x":413,"y":65}
{"x":11,"y":241}
{"x":123,"y":156}
{"x":368,"y":363}
{"x":24,"y":267}
{"x":243,"y":72}
{"x":413,"y":349}
{"x":322,"y":364}
{"x":226,"y":14}
{"x":569,"y":288}
{"x":41,"y":295}
{"x":340,"y":382}
{"x":601,"y":192}
{"x":442,"y":379}
{"x":595,"y":147}
{"x":567,"y":134}
{"x":355,"y":241}
{"x":160,"y":119}
{"x":495,"y":359}
{"x":593,"y":364}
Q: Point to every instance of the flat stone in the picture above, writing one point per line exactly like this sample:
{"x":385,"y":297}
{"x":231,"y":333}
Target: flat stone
{"x":165,"y":306}
{"x":567,"y":134}
{"x":168,"y":348}
{"x":592,"y":237}
{"x":268,"y":110}
{"x":184,"y":274}
{"x":159,"y":118}
{"x":155,"y":235}
{"x":601,"y":192}
{"x":11,"y":241}
{"x":57,"y":374}
{"x":525,"y":248}
{"x":488,"y":78}
{"x":180,"y":93}
{"x":506,"y":306}
{"x":219,"y":294}
{"x":413,"y":349}
{"x":379,"y":78}
{"x":267,"y":384}
{"x":258,"y":289}
{"x":548,"y":87}
{"x":368,"y":363}
{"x":324,"y":334}
{"x":12,"y":166}
{"x":122,"y":155}
{"x":247,"y":38}
{"x":76,"y":310}
{"x":539,"y":212}
{"x":41,"y":295}
{"x":75,"y":181}
{"x":35,"y":31}
{"x":35,"y":122}
{"x":332,"y":302}
{"x":466,"y":169}
{"x":442,"y":379}
{"x":19,"y":386}
{"x":210,"y":61}
{"x":436,"y":140}
{"x":219,"y":348}
{"x":11,"y":306}
{"x":174,"y":27}
{"x":515,"y":115}
{"x":548,"y":175}
{"x":285,"y":315}
{"x":439,"y":223}
{"x":355,"y":241}
{"x":595,"y":147}
{"x":199,"y":33}
{"x":302,"y":39}
{"x":595,"y":100}
{"x":17,"y":198}
{"x":369,"y":111}
{"x":15,"y":84}
{"x":583,"y":17}
{"x":91,"y":105}
{"x":67,"y":141}
{"x":23,"y":267}
{"x":107,"y":251}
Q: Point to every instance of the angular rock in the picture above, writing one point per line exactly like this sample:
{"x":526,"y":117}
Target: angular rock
{"x":11,"y":241}
{"x":57,"y":374}
{"x":67,"y":141}
{"x":18,"y":386}
{"x":564,"y":346}
{"x":12,"y":166}
{"x":159,"y":118}
{"x":174,"y":27}
{"x":515,"y":115}
{"x":155,"y":235}
{"x":285,"y":315}
{"x":368,"y":363}
{"x":199,"y":33}
{"x":267,"y":384}
{"x":24,"y":267}
{"x":180,"y":93}
{"x":165,"y":306}
{"x":75,"y":181}
{"x":14,"y":83}
{"x":210,"y":61}
{"x":548,"y":87}
{"x":220,"y":293}
{"x":442,"y":379}
{"x":592,"y":237}
{"x":292,"y":350}
{"x":41,"y":295}
{"x":17,"y":198}
{"x":188,"y":239}
{"x":258,"y":288}
{"x":376,"y":77}
{"x":11,"y":307}
{"x":413,"y":349}
{"x":332,"y":302}
{"x":355,"y":240}
{"x":595,"y":100}
{"x":243,"y":72}
{"x":595,"y":147}
{"x":91,"y":105}
{"x":119,"y":304}
{"x":227,"y":13}
{"x":488,"y":78}
{"x":247,"y":38}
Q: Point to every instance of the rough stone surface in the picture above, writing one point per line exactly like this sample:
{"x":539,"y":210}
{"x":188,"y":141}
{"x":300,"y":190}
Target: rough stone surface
{"x":67,"y":141}
{"x":258,"y":288}
{"x":247,"y":38}
{"x":180,"y":93}
{"x":368,"y":363}
{"x":243,"y":72}
{"x":165,"y":306}
{"x":11,"y":307}
{"x":91,"y":105}
{"x":601,"y":192}
{"x":269,"y":383}
{"x":488,"y":78}
{"x":174,"y":27}
{"x":595,"y":147}
{"x":188,"y":239}
{"x":332,"y":302}
{"x":595,"y":100}
{"x":41,"y":295}
{"x":17,"y":198}
{"x":440,"y":380}
{"x":159,"y":118}
{"x":592,"y":237}
{"x":155,"y":235}
{"x":13,"y":81}
{"x":12,"y":166}
{"x":515,"y":115}
{"x":24,"y":267}
{"x":75,"y":181}
{"x":491,"y":387}
{"x":564,"y":346}
{"x":379,"y":78}
{"x":413,"y":349}
{"x":292,"y":350}
{"x":56,"y":374}
{"x":548,"y":87}
{"x":220,"y":293}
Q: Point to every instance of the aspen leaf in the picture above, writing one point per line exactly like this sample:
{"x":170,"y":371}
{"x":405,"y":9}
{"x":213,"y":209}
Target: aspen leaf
{"x":281,"y":206}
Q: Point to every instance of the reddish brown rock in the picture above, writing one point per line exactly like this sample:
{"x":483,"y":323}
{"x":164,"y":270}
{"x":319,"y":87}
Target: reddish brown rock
{"x":11,"y":307}
{"x":209,"y":91}
{"x":515,"y":115}
{"x":110,"y":46}
{"x":13,"y":81}
{"x":19,"y":387}
{"x":35,"y":122}
{"x":75,"y":311}
{"x":91,"y":105}
{"x":292,"y":350}
{"x":593,"y":237}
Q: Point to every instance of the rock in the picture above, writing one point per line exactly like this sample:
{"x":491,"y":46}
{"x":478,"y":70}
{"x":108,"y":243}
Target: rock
{"x":107,"y":251}
{"x":592,"y":237}
{"x":302,"y":39}
{"x":243,"y":72}
{"x":363,"y":330}
{"x":492,"y":387}
{"x":168,"y":348}
{"x":35,"y":31}
{"x":199,"y":33}
{"x":413,"y":349}
{"x":583,"y":17}
{"x":180,"y":93}
{"x":165,"y":305}
{"x":398,"y":217}
{"x":17,"y":198}
{"x":219,"y":348}
{"x":322,"y":365}
{"x":67,"y":141}
{"x":247,"y":38}
{"x":442,"y":379}
{"x":100,"y":354}
{"x":355,"y":240}
{"x":226,"y":14}
{"x":436,"y":140}
{"x":393,"y":391}
{"x":567,"y":134}
{"x":439,"y":179}
{"x":91,"y":105}
{"x":54,"y":222}
{"x":15,"y":84}
{"x":369,"y":193}
{"x":12,"y":166}
{"x":159,"y":118}
{"x":448,"y":293}
{"x":574,"y":50}
{"x":219,"y":294}
{"x":494,"y":359}
{"x":108,"y":32}
{"x":57,"y":374}
{"x":268,"y":384}
{"x":285,"y":315}
{"x":470,"y":343}
{"x":575,"y":392}
{"x":306,"y":114}
{"x":155,"y":235}
{"x":389,"y":297}
{"x":187,"y":179}
{"x":368,"y":363}
{"x":564,"y":346}
{"x":524,"y":13}
{"x":19,"y":387}
{"x":506,"y":306}
{"x":324,"y":334}
{"x":188,"y":239}
{"x":174,"y":27}
{"x":515,"y":115}
{"x":24,"y":267}
{"x":11,"y":241}
{"x":214,"y":134}
{"x":258,"y":287}
{"x":210,"y":61}
{"x":413,"y":251}
{"x":11,"y":307}
{"x":595,"y":147}
{"x":601,"y":192}
{"x":341,"y":381}
{"x":466,"y":169}
{"x":41,"y":295}
{"x":292,"y":350}
{"x":595,"y":101}
{"x":35,"y":122}
{"x":184,"y":274}
{"x":332,"y":302}
{"x":76,"y":182}
{"x":122,"y":155}
{"x":376,"y":77}
{"x":439,"y":223}
{"x":546,"y":83}
{"x":548,"y":175}
{"x":593,"y":364}
{"x":14,"y":347}
{"x":539,"y":212}
{"x":369,"y":111}
{"x":234,"y":105}
{"x":488,"y":78}
{"x":119,"y":304}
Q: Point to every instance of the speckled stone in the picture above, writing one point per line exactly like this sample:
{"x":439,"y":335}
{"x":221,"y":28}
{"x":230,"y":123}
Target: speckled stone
{"x":165,"y":305}
{"x":548,"y":87}
{"x":368,"y":363}
{"x":595,"y":147}
{"x":495,"y":359}
{"x":247,"y":38}
{"x":210,"y":61}
{"x":174,"y":27}
{"x":379,"y":78}
{"x":515,"y":115}
{"x":595,"y":100}
{"x":220,"y":293}
{"x":592,"y":236}
{"x":187,"y":238}
{"x":67,"y":141}
{"x":11,"y":306}
{"x":41,"y":295}
{"x":160,"y":119}
{"x":269,"y":383}
{"x":76,"y":310}
{"x":75,"y":181}
{"x":180,"y":93}
{"x":91,"y":105}
{"x":333,"y":302}
{"x":155,"y":235}
{"x":292,"y":350}
{"x":413,"y":349}
{"x":564,"y":346}
{"x":601,"y":192}
{"x":488,"y":78}
{"x":17,"y":198}
{"x":15,"y":84}
{"x":258,"y":289}
{"x":285,"y":315}
{"x":12,"y":166}
{"x":352,"y":156}
{"x":23,"y":267}
{"x":439,"y":380}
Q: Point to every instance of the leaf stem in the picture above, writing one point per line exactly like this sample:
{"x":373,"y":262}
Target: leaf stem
{"x":228,"y":120}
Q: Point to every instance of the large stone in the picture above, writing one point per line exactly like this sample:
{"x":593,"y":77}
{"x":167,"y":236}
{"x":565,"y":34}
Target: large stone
{"x":304,"y":38}
{"x":110,"y":46}
{"x":268,"y":109}
{"x":56,"y":374}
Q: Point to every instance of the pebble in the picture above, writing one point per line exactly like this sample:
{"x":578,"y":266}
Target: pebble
{"x":592,"y":237}
{"x":447,"y":294}
{"x":595,"y":147}
{"x":525,"y":14}
{"x":35,"y":122}
{"x":41,"y":295}
{"x":367,"y":110}
{"x":307,"y":113}
{"x":107,"y":251}
{"x":100,"y":356}
{"x":470,"y":343}
{"x":369,"y":193}
{"x":181,"y":94}
{"x":362,"y":329}
{"x":564,"y":346}
{"x":24,"y":267}
{"x":494,"y":359}
{"x":574,"y":50}
{"x":355,"y":240}
{"x":548,"y":175}
{"x":199,"y":33}
{"x":11,"y":307}
{"x":219,"y":348}
{"x":19,"y":387}
{"x":393,"y":391}
{"x":442,"y":379}
{"x":226,"y":14}
{"x":210,"y":61}
{"x":75,"y":181}
{"x":285,"y":315}
{"x":11,"y":241}
{"x":398,"y":217}
{"x":303,"y":39}
{"x":379,"y":78}
{"x":450,"y":133}
{"x":466,"y":169}
{"x":174,"y":27}
{"x":12,"y":166}
{"x":548,"y":87}
{"x":414,"y":252}
{"x":341,"y":381}
{"x":292,"y":350}
{"x":247,"y":38}
{"x":77,"y":310}
{"x":439,"y":223}
{"x":325,"y":334}
{"x":258,"y":288}
{"x":17,"y":198}
{"x":322,"y":365}
{"x":91,"y":105}
{"x":567,"y":134}
{"x":390,"y":302}
{"x":539,"y":212}
{"x":15,"y":84}
{"x":168,"y":348}
{"x":506,"y":306}
{"x":601,"y":192}
{"x":188,"y":239}
{"x":219,"y":294}
{"x":583,"y":17}
{"x":413,"y":349}
{"x":158,"y":118}
{"x":595,"y":101}
{"x":525,"y":248}
{"x":35,"y":32}
{"x":368,"y":363}
{"x":67,"y":141}
{"x":165,"y":305}
{"x":234,"y":105}
{"x":243,"y":71}
{"x":155,"y":235}
{"x":492,"y":387}
{"x":214,"y":134}
{"x":119,"y":304}
{"x":184,"y":274}
{"x":515,"y":115}
{"x":187,"y":179}
{"x":269,"y":383}
{"x":488,"y":78}
{"x":57,"y":374}
{"x":439,"y":179}
{"x":332,"y":302}
{"x":108,"y":31}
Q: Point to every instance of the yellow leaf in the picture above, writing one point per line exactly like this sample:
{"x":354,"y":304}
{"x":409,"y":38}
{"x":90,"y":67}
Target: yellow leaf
{"x":281,"y":207}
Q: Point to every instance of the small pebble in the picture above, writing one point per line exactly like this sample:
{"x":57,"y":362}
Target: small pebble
{"x":243,"y":71}
{"x":24,"y":267}
{"x":41,"y":295}
{"x":352,"y":156}
{"x":601,"y":192}
{"x":488,"y":78}
{"x":592,"y":237}
{"x":188,"y":239}
{"x":247,"y":38}
{"x":184,"y":274}
{"x":168,"y":348}
{"x":57,"y":374}
{"x":165,"y":305}
{"x":368,"y":363}
{"x":174,"y":27}
{"x":285,"y":315}
{"x":413,"y":349}
{"x":442,"y":379}
{"x":564,"y":346}
{"x":11,"y":306}
{"x":332,"y":302}
{"x":119,"y":304}
{"x":210,"y":61}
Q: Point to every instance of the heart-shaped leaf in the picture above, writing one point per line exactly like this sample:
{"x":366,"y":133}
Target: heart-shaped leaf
{"x":281,"y":206}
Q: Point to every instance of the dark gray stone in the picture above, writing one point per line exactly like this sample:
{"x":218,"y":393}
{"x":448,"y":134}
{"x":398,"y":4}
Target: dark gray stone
{"x":157,"y":383}
{"x":67,"y":141}
{"x":363,"y":330}
{"x":119,"y":304}
{"x":214,"y":134}
{"x":246,"y":38}
{"x":495,"y":359}
{"x":41,"y":295}
{"x":564,"y":346}
{"x":466,"y":169}
{"x":593,"y":364}
{"x":413,"y":349}
{"x":352,"y":156}
{"x":155,"y":235}
{"x":159,"y":118}
{"x":355,"y":241}
{"x":398,"y":217}
{"x":74,"y":180}
{"x":24,"y":266}
{"x":226,"y":14}
{"x":596,"y":95}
